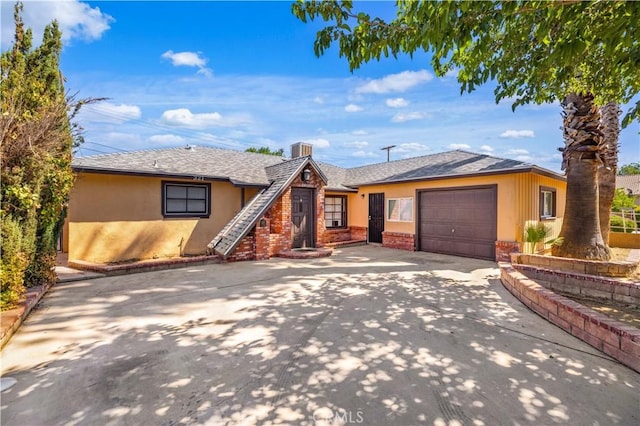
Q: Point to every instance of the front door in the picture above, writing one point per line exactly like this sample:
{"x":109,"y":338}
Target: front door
{"x":376,"y":217}
{"x":302,"y":208}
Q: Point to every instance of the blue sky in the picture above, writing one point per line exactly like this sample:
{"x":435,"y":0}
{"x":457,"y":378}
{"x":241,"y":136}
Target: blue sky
{"x":241,"y":74}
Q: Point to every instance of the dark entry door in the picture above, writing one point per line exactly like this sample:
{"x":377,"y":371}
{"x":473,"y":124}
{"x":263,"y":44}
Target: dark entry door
{"x":376,"y":217}
{"x":459,"y":221}
{"x":302,"y":209}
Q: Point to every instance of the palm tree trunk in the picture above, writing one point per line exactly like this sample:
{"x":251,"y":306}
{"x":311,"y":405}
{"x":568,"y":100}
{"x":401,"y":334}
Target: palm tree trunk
{"x":580,"y":235}
{"x":610,"y":127}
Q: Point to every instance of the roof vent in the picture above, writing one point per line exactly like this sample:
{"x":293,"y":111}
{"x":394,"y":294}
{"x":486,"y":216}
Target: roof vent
{"x":301,"y":149}
{"x":190,"y":147}
{"x":155,"y":163}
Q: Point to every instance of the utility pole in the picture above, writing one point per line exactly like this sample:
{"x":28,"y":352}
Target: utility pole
{"x":388,"y":149}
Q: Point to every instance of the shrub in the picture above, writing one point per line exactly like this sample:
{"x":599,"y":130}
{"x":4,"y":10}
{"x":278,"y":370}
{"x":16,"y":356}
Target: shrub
{"x":14,"y":261}
{"x":619,"y":224}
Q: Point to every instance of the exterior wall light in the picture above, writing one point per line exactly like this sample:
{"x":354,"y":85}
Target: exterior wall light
{"x":306,"y":175}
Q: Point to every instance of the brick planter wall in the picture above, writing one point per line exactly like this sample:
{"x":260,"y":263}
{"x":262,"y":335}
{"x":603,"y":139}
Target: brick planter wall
{"x":618,"y":340}
{"x":582,"y":285}
{"x":398,"y":240}
{"x":504,"y":250}
{"x":591,"y":267}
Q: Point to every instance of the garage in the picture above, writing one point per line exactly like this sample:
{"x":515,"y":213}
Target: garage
{"x":460,"y":221}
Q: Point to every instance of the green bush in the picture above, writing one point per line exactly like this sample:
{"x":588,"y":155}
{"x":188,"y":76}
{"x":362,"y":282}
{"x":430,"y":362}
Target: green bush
{"x":618,"y":224}
{"x":14,"y":261}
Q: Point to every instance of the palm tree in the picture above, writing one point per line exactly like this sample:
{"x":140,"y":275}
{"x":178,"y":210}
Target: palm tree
{"x":580,"y":235}
{"x":610,"y":128}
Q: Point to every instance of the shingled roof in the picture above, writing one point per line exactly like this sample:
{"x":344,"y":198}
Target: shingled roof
{"x":440,"y":165}
{"x":281,"y":175}
{"x":240,"y":168}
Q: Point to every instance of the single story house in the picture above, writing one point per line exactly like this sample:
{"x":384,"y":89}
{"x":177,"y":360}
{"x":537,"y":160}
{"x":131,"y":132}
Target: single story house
{"x":240,"y":205}
{"x":631,"y":185}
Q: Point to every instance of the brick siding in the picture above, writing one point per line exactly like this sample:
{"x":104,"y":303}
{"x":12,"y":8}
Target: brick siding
{"x":398,"y":240}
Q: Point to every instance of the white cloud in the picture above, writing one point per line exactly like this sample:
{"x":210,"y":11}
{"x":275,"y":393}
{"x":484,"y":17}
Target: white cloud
{"x":459,"y":146}
{"x":411,"y":147}
{"x":517,"y":134}
{"x":518,"y":152}
{"x":76,"y":19}
{"x":353,"y":108}
{"x":357,"y":144}
{"x":184,"y":117}
{"x":486,"y":148}
{"x":318,"y":100}
{"x":400,"y":82}
{"x":107,"y":112}
{"x":317,"y":143}
{"x":396,"y":102}
{"x":359,"y":132}
{"x":362,"y":154}
{"x":166,"y":139}
{"x":188,"y":59}
{"x":525,"y":158}
{"x":401,"y":118}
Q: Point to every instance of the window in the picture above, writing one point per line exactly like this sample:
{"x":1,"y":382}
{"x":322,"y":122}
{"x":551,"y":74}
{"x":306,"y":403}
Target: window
{"x":547,"y":203}
{"x":185,"y":200}
{"x":335,"y":212}
{"x":400,"y":209}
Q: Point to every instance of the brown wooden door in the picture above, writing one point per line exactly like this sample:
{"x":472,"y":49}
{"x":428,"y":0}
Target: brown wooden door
{"x":302,"y":217}
{"x":376,"y":217}
{"x":459,"y":221}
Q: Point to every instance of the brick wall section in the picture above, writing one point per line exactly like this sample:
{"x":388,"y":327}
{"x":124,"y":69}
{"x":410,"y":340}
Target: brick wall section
{"x":358,"y":233}
{"x":246,"y":249}
{"x":398,"y":240}
{"x":336,"y":235}
{"x":262,"y":239}
{"x":504,"y":250}
{"x":590,"y":267}
{"x":583,"y":285}
{"x":618,"y":340}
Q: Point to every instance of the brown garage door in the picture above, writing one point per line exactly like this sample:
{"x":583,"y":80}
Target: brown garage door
{"x":459,"y":221}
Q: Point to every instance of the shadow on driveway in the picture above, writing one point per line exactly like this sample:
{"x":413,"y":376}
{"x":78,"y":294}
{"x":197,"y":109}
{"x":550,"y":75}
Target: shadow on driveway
{"x":370,"y":336}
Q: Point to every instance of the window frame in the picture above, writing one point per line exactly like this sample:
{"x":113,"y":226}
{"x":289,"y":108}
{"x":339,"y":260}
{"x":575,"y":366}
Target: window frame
{"x":343,"y":213}
{"x":553,"y":192}
{"x":399,"y":200}
{"x":186,"y":214}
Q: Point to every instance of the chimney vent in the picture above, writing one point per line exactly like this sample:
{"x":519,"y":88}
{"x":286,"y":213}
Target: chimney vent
{"x":301,"y":149}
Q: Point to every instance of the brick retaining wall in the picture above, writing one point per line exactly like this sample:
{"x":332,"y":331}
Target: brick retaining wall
{"x":618,"y":340}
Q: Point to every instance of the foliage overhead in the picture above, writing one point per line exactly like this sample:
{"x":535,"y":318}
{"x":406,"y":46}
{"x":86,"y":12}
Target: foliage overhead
{"x":266,"y":150}
{"x":534,"y":51}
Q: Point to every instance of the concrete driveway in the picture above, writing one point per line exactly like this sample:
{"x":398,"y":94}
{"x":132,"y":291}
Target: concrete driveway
{"x":368,"y":336}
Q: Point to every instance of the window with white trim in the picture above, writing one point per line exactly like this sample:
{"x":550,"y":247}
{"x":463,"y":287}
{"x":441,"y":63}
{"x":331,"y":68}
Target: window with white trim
{"x":547,"y":203}
{"x":186,"y":200}
{"x":335,"y":212}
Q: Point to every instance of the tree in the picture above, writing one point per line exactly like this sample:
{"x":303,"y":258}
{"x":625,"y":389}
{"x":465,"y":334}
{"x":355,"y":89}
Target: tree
{"x":610,"y":128}
{"x":266,"y":150}
{"x":629,"y":169}
{"x":582,"y":53}
{"x":37,"y":138}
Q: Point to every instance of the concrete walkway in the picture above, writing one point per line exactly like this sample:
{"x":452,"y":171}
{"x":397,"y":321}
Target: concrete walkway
{"x":368,"y":336}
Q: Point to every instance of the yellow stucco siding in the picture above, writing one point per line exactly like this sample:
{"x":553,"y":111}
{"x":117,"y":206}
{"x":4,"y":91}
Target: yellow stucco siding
{"x":517,"y":193}
{"x":117,"y":217}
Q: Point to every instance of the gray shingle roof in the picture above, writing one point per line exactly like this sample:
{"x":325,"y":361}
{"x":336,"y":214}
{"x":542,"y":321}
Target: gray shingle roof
{"x":629,"y":182}
{"x":281,"y":175}
{"x":444,"y":164}
{"x":213,"y":163}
